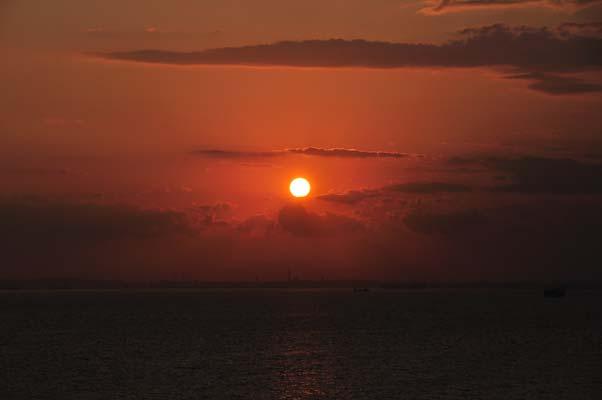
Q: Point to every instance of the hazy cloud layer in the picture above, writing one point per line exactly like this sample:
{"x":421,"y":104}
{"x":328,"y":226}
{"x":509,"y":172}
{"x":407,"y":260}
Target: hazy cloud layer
{"x":592,"y":29}
{"x":439,"y":7}
{"x":300,"y":222}
{"x":549,"y":175}
{"x":307,"y":151}
{"x":444,"y":223}
{"x":211,"y":214}
{"x":541,"y":174}
{"x":429,"y":187}
{"x":86,"y":222}
{"x":350,"y":197}
{"x":50,"y":238}
{"x":538,"y":240}
{"x":356,"y":196}
{"x":557,"y":84}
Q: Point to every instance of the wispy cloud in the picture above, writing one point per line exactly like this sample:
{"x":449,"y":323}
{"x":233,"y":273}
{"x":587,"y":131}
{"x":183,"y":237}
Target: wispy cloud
{"x":306,"y":151}
{"x":439,"y":7}
{"x":356,"y":196}
{"x":557,"y":84}
{"x":296,"y":220}
{"x":346,"y":153}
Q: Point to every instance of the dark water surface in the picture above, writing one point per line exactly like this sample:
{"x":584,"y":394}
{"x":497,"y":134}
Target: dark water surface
{"x":291,"y":344}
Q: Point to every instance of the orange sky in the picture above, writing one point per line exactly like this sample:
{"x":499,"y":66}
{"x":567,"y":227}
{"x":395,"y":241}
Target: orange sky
{"x":56,"y":99}
{"x":78,"y":127}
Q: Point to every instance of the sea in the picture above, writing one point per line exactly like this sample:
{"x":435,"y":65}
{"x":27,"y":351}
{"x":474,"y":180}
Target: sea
{"x":300,"y":344}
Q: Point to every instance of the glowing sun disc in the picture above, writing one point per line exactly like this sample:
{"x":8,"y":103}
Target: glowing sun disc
{"x":300,"y":187}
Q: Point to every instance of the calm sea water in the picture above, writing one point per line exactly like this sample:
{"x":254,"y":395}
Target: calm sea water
{"x":288,"y":344}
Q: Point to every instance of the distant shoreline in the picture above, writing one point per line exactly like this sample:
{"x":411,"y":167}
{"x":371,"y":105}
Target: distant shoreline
{"x":71,"y":284}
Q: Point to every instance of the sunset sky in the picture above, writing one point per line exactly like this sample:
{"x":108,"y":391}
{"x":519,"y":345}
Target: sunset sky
{"x":447,"y":140}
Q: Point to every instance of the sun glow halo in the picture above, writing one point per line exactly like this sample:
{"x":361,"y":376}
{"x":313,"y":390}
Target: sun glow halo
{"x":300,"y":187}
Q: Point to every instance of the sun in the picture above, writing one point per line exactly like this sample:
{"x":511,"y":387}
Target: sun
{"x":300,"y":187}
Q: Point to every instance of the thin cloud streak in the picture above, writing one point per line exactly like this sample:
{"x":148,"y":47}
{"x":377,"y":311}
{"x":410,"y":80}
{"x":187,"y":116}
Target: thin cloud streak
{"x":346,"y":153}
{"x":336,"y":152}
{"x":441,"y":7}
{"x":557,"y":84}
{"x":423,"y":188}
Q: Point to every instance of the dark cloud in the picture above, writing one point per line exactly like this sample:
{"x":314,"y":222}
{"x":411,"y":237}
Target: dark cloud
{"x":593,"y":29}
{"x":523,"y":47}
{"x":66,"y":239}
{"x":558,"y":238}
{"x":544,"y":144}
{"x":296,"y":220}
{"x":463,"y":160}
{"x":531,"y":49}
{"x":594,"y":156}
{"x":258,"y":225}
{"x":539,"y":54}
{"x":549,"y":175}
{"x":356,"y":196}
{"x":308,"y":151}
{"x":557,"y":84}
{"x":25,"y":220}
{"x":541,"y":174}
{"x":429,"y":187}
{"x":350,"y":197}
{"x":544,"y":239}
{"x":210,"y":213}
{"x":438,"y":7}
{"x":444,"y":223}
